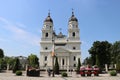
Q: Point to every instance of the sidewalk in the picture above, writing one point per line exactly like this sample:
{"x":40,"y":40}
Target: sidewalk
{"x":44,"y":76}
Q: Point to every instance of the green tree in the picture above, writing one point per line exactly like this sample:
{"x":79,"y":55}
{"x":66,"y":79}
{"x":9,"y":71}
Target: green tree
{"x":88,"y":61}
{"x":100,"y":53}
{"x":16,"y":65}
{"x":93,"y":51}
{"x":33,"y":60}
{"x":9,"y":61}
{"x":56,"y":67}
{"x":1,"y":53}
{"x":118,"y":64}
{"x":115,"y":52}
{"x":78,"y":66}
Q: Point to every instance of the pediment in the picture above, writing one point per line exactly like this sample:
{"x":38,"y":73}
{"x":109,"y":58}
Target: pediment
{"x":61,"y":50}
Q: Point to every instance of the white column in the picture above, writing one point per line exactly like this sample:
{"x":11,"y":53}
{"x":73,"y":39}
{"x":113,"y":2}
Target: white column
{"x":7,"y":67}
{"x":61,"y":63}
{"x":68,"y":63}
{"x":115,"y":66}
{"x":106,"y":67}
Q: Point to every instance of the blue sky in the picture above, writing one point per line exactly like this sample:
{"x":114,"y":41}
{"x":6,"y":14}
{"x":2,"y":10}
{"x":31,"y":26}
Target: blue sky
{"x":21,"y":22}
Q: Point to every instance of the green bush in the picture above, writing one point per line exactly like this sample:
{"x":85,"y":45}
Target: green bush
{"x":18,"y":73}
{"x":113,"y":73}
{"x":64,"y":74}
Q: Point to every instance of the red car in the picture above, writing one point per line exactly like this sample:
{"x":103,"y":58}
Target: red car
{"x":82,"y":71}
{"x":88,"y":71}
{"x":96,"y":71}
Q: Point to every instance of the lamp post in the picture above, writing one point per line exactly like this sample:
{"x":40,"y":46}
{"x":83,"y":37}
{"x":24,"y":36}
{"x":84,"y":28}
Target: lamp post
{"x":53,"y":53}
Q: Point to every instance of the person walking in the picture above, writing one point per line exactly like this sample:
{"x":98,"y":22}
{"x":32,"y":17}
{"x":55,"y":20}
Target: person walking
{"x":49,"y":72}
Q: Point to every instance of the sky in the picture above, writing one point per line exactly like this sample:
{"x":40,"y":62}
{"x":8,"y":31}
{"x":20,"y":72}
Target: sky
{"x":21,"y":22}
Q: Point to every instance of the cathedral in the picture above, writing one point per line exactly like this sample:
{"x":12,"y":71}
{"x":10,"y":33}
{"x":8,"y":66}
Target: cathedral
{"x":66,"y":47}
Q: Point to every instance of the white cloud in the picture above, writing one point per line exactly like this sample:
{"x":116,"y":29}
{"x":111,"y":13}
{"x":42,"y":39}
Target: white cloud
{"x":19,"y":32}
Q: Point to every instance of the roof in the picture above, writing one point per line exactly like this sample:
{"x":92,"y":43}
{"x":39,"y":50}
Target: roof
{"x":73,"y":18}
{"x":48,"y":19}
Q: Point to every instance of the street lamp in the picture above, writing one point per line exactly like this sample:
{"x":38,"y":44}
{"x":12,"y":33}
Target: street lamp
{"x":53,"y":52}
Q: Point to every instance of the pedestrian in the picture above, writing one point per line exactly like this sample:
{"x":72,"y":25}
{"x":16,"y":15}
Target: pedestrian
{"x":49,"y":71}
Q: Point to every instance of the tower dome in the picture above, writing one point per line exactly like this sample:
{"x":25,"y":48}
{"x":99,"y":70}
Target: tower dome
{"x":48,"y":19}
{"x":73,"y":18}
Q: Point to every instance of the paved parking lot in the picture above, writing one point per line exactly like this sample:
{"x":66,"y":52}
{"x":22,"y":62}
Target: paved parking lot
{"x":44,"y":76}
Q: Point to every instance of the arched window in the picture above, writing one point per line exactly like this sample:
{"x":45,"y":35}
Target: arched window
{"x":74,"y":48}
{"x":45,"y":64}
{"x":46,"y":35}
{"x":45,"y":58}
{"x":76,"y":26}
{"x":73,"y":34}
{"x":46,"y":48}
{"x":63,"y":62}
{"x":74,"y":65}
{"x":74,"y":58}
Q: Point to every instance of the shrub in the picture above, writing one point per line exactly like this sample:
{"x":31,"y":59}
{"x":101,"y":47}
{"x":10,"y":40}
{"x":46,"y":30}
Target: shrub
{"x":18,"y":73}
{"x":16,"y":65}
{"x":64,"y":74}
{"x":113,"y":73}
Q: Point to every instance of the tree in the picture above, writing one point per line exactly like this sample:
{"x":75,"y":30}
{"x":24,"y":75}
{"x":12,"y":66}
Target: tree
{"x":33,"y":60}
{"x":88,"y":60}
{"x":78,"y":66}
{"x":93,"y":51}
{"x":100,"y":53}
{"x":1,"y":53}
{"x":115,"y":55}
{"x":10,"y":61}
{"x":118,"y":64}
{"x":56,"y":67}
{"x":115,"y":52}
{"x":16,"y":65}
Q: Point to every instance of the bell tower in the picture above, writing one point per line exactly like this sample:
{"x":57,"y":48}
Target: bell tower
{"x":47,"y":29}
{"x":73,"y":29}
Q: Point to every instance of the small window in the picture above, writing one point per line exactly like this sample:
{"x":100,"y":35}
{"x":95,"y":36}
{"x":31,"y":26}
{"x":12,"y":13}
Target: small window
{"x":63,"y":62}
{"x":46,"y":48}
{"x":74,"y":48}
{"x":50,"y":26}
{"x":45,"y":65}
{"x":73,"y":34}
{"x":46,"y":35}
{"x":76,"y":26}
{"x":74,"y":58}
{"x":73,"y":25}
{"x":74,"y":65}
{"x":45,"y":58}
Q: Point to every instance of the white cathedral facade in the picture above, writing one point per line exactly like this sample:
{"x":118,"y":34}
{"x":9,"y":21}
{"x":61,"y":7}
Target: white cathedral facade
{"x":66,"y":47}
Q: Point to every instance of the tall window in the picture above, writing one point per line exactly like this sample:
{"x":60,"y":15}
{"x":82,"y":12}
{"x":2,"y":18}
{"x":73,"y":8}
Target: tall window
{"x":45,"y":58}
{"x":63,"y":62}
{"x":74,"y":58}
{"x":73,"y":34}
{"x":74,"y":65}
{"x":45,"y":64}
{"x":46,"y":35}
